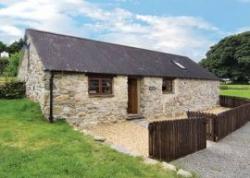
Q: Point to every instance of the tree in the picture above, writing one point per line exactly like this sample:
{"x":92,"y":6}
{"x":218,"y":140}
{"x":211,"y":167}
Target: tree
{"x":16,"y":46}
{"x":230,"y":58}
{"x":2,"y":47}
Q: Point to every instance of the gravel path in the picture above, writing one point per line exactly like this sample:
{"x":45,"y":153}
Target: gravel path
{"x":128,"y":137}
{"x":229,"y":158}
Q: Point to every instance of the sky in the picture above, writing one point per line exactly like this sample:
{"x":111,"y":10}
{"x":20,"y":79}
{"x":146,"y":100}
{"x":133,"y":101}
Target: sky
{"x":181,"y":27}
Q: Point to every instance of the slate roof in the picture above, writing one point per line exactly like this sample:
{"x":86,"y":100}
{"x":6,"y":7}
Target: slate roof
{"x":73,"y":54}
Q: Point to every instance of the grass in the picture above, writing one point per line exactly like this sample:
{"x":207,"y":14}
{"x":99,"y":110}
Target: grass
{"x":32,"y":147}
{"x":236,"y":90}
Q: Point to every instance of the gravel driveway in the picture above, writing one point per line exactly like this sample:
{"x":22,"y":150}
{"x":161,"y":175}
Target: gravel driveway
{"x":229,"y":158}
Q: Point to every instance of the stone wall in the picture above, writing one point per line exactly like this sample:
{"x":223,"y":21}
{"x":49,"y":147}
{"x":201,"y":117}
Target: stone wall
{"x":72,"y":101}
{"x":188,"y":95}
{"x":37,"y":81}
{"x":151,"y":97}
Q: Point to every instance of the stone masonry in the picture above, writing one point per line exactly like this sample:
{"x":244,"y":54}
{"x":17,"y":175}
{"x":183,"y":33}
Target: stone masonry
{"x":188,"y":95}
{"x":72,"y":101}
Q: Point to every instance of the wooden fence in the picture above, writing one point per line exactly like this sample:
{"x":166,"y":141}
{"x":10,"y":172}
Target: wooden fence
{"x":220,"y":125}
{"x":232,"y":101}
{"x":231,"y":120}
{"x":169,"y":140}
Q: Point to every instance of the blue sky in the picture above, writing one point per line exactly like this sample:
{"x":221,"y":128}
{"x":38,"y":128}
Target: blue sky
{"x":183,"y":27}
{"x":225,"y":14}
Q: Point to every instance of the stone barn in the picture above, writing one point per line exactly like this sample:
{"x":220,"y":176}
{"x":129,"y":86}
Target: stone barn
{"x":86,"y":81}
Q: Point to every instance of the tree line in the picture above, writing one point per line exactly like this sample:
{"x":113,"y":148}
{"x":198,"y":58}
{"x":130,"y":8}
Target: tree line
{"x":12,"y":48}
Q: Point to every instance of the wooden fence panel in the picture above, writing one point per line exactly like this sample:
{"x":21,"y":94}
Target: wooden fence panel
{"x":220,"y":125}
{"x":232,"y":101}
{"x":231,"y":120}
{"x":169,"y":140}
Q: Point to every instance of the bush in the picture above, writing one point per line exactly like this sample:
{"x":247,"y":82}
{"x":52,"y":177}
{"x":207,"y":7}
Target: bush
{"x":12,"y":68}
{"x":12,"y":90}
{"x":3,"y":63}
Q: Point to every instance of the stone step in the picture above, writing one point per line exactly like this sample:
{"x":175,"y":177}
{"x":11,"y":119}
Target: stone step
{"x":135,"y":116}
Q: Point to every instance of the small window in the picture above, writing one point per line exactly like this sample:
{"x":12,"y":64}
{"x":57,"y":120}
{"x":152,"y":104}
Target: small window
{"x":100,"y":85}
{"x":168,"y":85}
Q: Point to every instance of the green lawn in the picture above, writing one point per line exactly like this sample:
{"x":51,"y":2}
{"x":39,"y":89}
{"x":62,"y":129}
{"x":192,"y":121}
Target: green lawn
{"x":236,"y":90}
{"x":32,"y":147}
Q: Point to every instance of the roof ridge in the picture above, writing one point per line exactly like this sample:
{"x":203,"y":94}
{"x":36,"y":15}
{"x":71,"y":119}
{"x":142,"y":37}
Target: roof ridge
{"x":110,"y":43}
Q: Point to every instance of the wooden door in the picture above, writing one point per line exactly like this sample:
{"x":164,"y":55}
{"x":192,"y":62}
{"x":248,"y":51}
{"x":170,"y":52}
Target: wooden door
{"x":132,"y":96}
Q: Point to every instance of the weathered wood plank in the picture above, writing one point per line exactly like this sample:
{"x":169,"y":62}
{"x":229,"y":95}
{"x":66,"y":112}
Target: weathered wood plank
{"x":169,"y":140}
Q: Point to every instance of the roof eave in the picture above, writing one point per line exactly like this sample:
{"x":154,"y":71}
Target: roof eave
{"x":137,"y":75}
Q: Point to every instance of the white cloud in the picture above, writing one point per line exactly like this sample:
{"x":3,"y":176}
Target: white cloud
{"x":243,"y":29}
{"x":11,"y":30}
{"x":182,"y":35}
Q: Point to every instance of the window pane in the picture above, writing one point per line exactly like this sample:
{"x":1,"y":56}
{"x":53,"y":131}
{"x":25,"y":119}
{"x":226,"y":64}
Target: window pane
{"x":167,"y":85}
{"x":93,"y":86}
{"x":106,"y":86}
{"x":100,"y":85}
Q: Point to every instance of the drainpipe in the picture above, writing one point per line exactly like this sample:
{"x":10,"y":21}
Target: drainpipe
{"x":51,"y":97}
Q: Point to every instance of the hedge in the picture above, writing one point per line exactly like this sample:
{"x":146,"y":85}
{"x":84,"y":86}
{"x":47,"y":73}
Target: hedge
{"x":12,"y":90}
{"x":3,"y":64}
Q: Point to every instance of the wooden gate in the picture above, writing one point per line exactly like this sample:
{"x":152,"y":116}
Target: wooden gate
{"x":210,"y":122}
